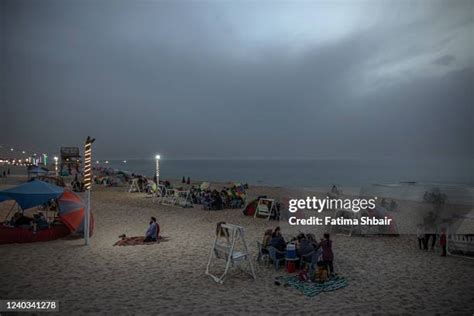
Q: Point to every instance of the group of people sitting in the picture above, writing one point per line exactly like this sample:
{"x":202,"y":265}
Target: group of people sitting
{"x":109,"y":177}
{"x":227,"y":198}
{"x":306,"y":246}
{"x":149,"y":186}
{"x":37,"y":222}
{"x":142,"y":183}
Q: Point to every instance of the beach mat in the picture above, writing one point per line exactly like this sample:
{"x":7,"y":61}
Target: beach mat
{"x":312,"y":289}
{"x":138,"y":240}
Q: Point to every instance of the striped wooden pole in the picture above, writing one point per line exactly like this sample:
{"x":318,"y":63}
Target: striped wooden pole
{"x":87,"y":185}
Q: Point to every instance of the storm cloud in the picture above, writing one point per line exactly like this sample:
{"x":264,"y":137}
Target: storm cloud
{"x":238,"y":78}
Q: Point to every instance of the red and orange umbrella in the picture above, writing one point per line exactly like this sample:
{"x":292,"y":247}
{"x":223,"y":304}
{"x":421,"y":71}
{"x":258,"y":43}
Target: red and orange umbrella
{"x":71,"y":210}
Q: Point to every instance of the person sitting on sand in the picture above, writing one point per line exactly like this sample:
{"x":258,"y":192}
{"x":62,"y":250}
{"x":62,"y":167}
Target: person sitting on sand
{"x":152,"y":231}
{"x":277,"y":240}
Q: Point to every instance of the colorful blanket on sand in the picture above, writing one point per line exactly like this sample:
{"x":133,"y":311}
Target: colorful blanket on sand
{"x":313,"y":289}
{"x":133,"y":241}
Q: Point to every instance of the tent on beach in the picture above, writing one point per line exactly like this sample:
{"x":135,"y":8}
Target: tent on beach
{"x":37,"y":193}
{"x":32,"y":193}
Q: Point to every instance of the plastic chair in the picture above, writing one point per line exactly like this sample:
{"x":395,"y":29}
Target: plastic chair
{"x":273,"y":253}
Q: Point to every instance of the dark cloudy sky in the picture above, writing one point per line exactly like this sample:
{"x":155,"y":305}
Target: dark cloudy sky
{"x":239,"y":78}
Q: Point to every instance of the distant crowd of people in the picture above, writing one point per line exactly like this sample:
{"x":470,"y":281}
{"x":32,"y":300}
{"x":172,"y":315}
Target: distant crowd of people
{"x":427,"y":232}
{"x":5,"y":173}
{"x":227,"y":198}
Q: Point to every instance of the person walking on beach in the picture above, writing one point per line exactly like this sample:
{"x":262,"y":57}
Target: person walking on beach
{"x":328,"y":256}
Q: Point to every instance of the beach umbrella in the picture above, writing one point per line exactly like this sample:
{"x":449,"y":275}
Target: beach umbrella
{"x":71,"y":210}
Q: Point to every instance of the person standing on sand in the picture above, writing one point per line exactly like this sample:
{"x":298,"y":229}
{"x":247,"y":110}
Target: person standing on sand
{"x":430,"y":230}
{"x":328,"y":256}
{"x":443,"y":242}
{"x":420,"y":236}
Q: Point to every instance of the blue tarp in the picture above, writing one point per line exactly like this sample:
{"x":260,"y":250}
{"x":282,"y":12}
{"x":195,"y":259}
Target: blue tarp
{"x":32,"y":193}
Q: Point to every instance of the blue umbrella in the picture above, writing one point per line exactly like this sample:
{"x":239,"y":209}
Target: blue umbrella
{"x":32,"y":193}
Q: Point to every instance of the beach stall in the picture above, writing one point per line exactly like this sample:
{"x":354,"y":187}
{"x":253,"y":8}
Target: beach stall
{"x":41,"y":196}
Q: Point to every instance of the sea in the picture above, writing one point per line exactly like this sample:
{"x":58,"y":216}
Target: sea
{"x":395,"y":178}
{"x":305,"y":172}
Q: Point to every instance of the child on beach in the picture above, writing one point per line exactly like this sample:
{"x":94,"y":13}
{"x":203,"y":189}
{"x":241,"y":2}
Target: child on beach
{"x":328,"y":256}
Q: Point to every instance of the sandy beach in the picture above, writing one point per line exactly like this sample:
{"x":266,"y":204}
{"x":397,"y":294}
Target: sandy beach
{"x":348,"y":124}
{"x":385,"y":274}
